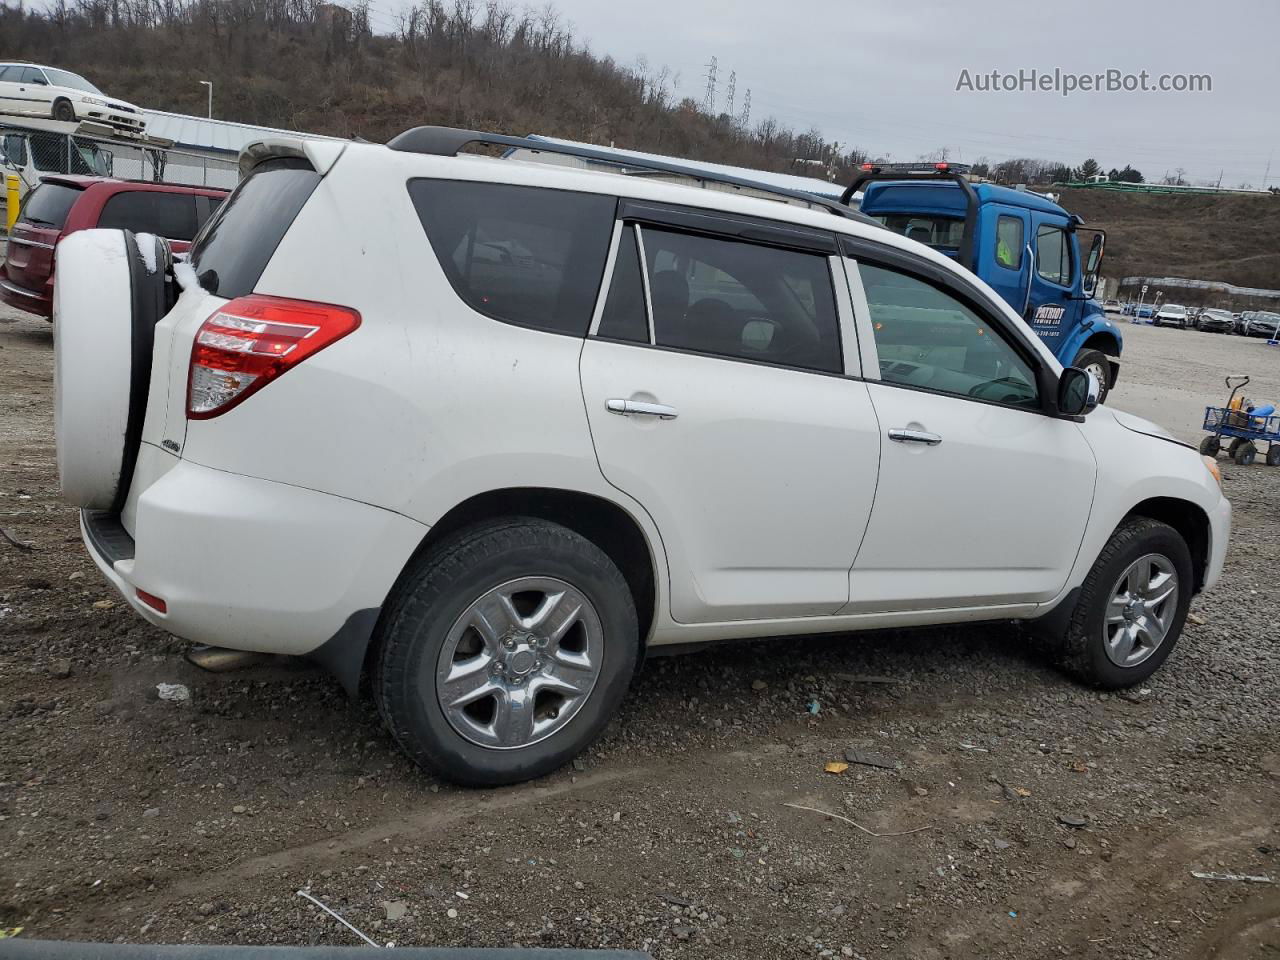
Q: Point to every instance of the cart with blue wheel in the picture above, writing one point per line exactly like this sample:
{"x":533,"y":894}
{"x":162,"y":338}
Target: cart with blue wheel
{"x":1248,"y":425}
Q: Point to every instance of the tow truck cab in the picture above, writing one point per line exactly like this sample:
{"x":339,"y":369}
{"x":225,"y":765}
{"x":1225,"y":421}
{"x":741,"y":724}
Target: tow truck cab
{"x":1023,"y":245}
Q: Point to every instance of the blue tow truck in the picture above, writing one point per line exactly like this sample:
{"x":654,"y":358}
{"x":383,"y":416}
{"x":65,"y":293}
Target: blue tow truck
{"x":1023,"y":245}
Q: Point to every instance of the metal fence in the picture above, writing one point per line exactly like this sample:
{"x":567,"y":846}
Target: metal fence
{"x":33,"y":154}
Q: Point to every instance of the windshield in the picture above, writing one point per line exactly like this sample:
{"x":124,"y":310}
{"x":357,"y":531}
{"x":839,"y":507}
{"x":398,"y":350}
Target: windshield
{"x":64,"y":78}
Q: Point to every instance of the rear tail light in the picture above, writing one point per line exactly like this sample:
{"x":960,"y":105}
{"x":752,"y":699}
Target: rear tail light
{"x":253,"y":340}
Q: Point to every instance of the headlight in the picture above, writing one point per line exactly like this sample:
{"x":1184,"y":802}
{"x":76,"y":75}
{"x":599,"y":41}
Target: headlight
{"x":93,"y":100}
{"x":1211,"y":464}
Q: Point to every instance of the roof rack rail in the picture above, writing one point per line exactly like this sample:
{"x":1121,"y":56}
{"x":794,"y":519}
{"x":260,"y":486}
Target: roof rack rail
{"x":447,"y":141}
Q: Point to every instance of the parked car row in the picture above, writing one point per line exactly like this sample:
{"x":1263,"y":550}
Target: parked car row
{"x":63,"y":205}
{"x":1251,"y":323}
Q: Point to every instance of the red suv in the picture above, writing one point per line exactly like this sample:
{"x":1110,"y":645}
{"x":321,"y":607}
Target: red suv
{"x":64,"y":204}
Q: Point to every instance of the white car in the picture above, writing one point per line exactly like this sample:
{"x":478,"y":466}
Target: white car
{"x":31,"y":89}
{"x":1172,"y":315}
{"x":482,"y":432}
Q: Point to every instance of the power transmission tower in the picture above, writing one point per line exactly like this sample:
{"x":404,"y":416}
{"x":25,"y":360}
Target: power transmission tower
{"x":709,"y":98}
{"x":744,"y":121}
{"x":728,"y":97}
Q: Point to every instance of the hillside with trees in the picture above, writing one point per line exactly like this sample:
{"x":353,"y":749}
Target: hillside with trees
{"x":320,"y":67}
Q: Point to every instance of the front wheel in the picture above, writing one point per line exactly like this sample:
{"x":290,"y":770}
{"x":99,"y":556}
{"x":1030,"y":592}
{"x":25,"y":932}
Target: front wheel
{"x":1095,"y":362}
{"x":505,"y":652}
{"x":64,"y":111}
{"x":1245,"y":454}
{"x":1131,"y":608}
{"x":1210,"y":445}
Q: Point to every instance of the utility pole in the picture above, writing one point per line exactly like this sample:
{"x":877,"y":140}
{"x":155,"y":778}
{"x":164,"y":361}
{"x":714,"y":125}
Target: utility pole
{"x":709,"y":98}
{"x":209,"y":84}
{"x":728,"y":97}
{"x":744,"y":121}
{"x":1266,"y":176}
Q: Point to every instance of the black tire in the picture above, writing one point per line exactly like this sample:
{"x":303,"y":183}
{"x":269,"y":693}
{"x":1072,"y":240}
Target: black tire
{"x":1096,"y":358}
{"x":1245,"y":454}
{"x":1210,"y":445}
{"x":1081,"y":652}
{"x":438,"y":589}
{"x":1273,"y":455}
{"x":64,"y":111}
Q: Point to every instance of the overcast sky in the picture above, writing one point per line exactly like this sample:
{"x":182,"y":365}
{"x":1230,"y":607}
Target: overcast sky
{"x":882,"y":77}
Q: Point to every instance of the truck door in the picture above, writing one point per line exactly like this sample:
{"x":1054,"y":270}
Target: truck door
{"x":1004,"y":252}
{"x":1050,"y":309}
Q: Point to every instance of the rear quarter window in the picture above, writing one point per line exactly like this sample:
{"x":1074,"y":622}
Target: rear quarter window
{"x":171,"y":215}
{"x":49,"y":204}
{"x":524,"y":255}
{"x":239,"y":240}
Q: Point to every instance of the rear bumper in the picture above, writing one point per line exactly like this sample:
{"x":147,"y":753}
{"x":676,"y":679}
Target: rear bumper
{"x":250,"y":564}
{"x":32,"y":301}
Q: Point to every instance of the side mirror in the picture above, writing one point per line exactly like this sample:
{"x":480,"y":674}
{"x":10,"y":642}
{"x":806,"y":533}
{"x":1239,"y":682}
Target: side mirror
{"x":1093,"y":263}
{"x":1078,"y":392}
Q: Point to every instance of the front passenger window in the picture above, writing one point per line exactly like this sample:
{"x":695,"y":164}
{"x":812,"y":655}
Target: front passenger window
{"x":927,"y":339}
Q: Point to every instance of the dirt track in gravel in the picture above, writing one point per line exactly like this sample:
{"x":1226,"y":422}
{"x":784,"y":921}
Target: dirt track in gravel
{"x":126,"y":817}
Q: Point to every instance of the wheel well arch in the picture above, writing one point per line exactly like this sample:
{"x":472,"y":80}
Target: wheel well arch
{"x":1106,"y":342}
{"x":603,"y":522}
{"x":1191,"y":522}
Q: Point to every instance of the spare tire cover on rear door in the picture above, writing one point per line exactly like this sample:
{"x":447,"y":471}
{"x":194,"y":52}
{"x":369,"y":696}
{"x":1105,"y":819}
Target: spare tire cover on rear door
{"x":109,"y":290}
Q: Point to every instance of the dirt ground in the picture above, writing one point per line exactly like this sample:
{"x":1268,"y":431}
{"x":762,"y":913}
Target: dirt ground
{"x":1020,"y":816}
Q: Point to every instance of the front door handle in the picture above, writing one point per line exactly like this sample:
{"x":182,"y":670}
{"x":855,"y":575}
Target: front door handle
{"x":914,"y":436}
{"x":629,"y":408}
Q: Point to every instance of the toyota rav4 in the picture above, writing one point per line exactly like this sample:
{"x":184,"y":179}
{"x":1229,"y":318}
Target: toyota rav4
{"x":477,"y":433}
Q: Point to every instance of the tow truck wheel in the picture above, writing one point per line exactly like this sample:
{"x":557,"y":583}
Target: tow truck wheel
{"x":1095,"y":362}
{"x":64,"y":111}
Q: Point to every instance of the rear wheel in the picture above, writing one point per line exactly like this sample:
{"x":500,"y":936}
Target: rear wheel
{"x":1273,"y":455}
{"x":1245,"y":454}
{"x":1131,"y":608}
{"x":64,"y":111}
{"x":505,"y":652}
{"x":1095,"y":362}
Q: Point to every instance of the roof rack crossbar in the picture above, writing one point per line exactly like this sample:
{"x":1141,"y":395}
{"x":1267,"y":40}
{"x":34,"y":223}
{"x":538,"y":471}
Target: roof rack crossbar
{"x":447,"y":141}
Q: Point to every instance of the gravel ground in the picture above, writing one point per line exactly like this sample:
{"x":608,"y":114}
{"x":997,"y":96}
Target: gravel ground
{"x":1019,"y":815}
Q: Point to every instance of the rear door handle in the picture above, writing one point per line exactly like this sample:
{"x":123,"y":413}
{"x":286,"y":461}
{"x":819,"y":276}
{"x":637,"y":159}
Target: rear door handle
{"x":629,"y":408}
{"x":914,"y":436}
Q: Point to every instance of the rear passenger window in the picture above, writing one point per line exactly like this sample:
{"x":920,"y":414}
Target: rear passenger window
{"x":524,"y":255}
{"x":625,"y":316}
{"x":171,"y":215}
{"x":742,"y":300}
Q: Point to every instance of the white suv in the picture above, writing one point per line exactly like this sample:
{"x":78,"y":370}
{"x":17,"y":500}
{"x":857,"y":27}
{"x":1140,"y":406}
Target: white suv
{"x":481,"y":432}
